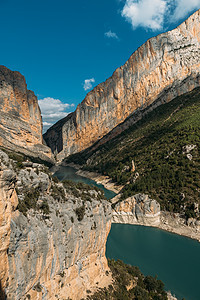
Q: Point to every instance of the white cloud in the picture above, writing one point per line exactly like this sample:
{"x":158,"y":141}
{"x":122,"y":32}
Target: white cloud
{"x":145,"y":13}
{"x":110,"y":34}
{"x":52,"y":110}
{"x":47,"y":124}
{"x":88,"y":84}
{"x":153,"y":14}
{"x":183,"y":7}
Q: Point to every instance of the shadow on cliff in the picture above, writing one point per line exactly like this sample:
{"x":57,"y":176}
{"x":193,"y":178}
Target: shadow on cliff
{"x":2,"y":293}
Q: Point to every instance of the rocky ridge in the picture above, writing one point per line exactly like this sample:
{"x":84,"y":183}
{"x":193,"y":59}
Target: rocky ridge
{"x":164,"y":67}
{"x":51,"y":247}
{"x":21,"y":121}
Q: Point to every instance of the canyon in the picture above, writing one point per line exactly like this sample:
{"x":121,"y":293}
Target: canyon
{"x":161,"y":69}
{"x":52,"y":242}
{"x":53,"y":234}
{"x":140,"y":209}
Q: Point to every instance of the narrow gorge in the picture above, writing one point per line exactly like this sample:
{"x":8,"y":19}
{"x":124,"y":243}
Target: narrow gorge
{"x":164,"y":67}
{"x":52,"y":235}
{"x":139,"y":130}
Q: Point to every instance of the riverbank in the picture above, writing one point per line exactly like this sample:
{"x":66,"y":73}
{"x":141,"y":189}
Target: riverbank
{"x":99,"y":178}
{"x":168,"y":221}
{"x":175,"y":224}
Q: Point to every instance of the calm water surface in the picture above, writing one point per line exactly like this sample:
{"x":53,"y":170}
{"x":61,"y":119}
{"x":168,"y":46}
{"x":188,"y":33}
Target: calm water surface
{"x":175,"y":259}
{"x":69,"y":173}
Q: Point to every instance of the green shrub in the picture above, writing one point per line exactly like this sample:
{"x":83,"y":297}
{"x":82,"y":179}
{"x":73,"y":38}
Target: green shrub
{"x":29,"y":201}
{"x":55,"y":179}
{"x":83,"y":191}
{"x":80,"y":211}
{"x":144,"y":288}
{"x":45,"y":207}
{"x":57,"y":193}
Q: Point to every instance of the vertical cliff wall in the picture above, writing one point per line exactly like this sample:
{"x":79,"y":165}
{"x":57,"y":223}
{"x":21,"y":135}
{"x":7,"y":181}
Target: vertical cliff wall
{"x":20,"y":116}
{"x":8,"y":203}
{"x":49,"y":251}
{"x":137,"y":210}
{"x":167,"y":65}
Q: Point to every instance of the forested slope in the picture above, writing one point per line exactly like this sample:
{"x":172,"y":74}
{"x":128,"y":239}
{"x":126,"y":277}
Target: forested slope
{"x":164,"y":146}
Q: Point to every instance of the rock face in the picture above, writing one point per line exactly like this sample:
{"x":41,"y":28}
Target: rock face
{"x":21,"y":122}
{"x":139,"y":209}
{"x":50,"y":255}
{"x":164,"y":67}
{"x":8,"y":203}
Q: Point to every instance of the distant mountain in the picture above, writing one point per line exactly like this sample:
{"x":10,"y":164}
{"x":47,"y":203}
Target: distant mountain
{"x":20,"y":117}
{"x":158,"y":156}
{"x":165,"y":67}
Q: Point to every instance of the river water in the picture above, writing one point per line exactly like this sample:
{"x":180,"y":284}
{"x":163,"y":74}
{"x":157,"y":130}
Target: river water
{"x":175,"y":259}
{"x":69,"y":173}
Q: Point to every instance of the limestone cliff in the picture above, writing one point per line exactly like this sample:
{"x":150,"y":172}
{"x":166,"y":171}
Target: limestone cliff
{"x":21,"y":121}
{"x":55,"y":249}
{"x":164,"y":67}
{"x":8,"y":203}
{"x":138,"y":210}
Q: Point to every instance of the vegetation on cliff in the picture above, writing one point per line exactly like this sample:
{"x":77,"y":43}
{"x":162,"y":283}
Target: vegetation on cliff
{"x":164,"y":146}
{"x":83,"y":190}
{"x":20,"y":157}
{"x":36,"y":187}
{"x":74,"y":228}
{"x":130,"y":283}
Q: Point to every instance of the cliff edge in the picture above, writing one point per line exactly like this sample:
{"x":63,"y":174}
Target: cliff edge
{"x":52,"y":235}
{"x":165,"y":67}
{"x":21,"y":121}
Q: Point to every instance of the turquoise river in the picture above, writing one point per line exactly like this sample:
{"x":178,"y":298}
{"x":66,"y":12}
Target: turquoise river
{"x":173,"y":258}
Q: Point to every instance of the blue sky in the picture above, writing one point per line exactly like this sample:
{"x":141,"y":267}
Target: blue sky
{"x":64,"y":48}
